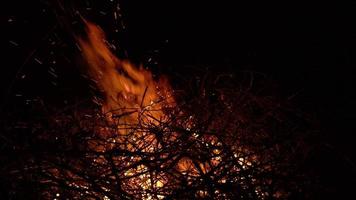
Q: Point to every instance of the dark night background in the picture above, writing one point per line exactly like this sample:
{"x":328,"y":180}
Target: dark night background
{"x":308,"y":49}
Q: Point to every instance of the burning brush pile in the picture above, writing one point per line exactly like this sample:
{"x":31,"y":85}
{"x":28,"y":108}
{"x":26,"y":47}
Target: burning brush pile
{"x":144,"y":140}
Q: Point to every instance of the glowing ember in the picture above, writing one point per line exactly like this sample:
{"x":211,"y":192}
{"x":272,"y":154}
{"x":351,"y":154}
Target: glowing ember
{"x":134,"y":99}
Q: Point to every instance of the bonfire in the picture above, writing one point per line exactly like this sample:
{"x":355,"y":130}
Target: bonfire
{"x":142,"y":139}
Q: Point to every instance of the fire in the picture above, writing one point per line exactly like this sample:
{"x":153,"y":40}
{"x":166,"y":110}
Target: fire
{"x":128,"y":90}
{"x":133,"y":97}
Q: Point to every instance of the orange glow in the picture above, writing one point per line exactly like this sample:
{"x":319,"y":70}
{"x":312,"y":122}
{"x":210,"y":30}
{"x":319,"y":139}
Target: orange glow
{"x":131,"y":98}
{"x":128,"y":90}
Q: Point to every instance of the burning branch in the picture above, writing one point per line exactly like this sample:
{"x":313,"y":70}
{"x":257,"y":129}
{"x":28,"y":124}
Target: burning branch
{"x":224,"y":143}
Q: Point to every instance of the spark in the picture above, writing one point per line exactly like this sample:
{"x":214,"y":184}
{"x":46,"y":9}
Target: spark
{"x":38,"y":61}
{"x":14,"y":43}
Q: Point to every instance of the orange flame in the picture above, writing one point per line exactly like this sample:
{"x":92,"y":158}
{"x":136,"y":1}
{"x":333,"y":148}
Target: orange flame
{"x":132,"y":96}
{"x":128,"y":90}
